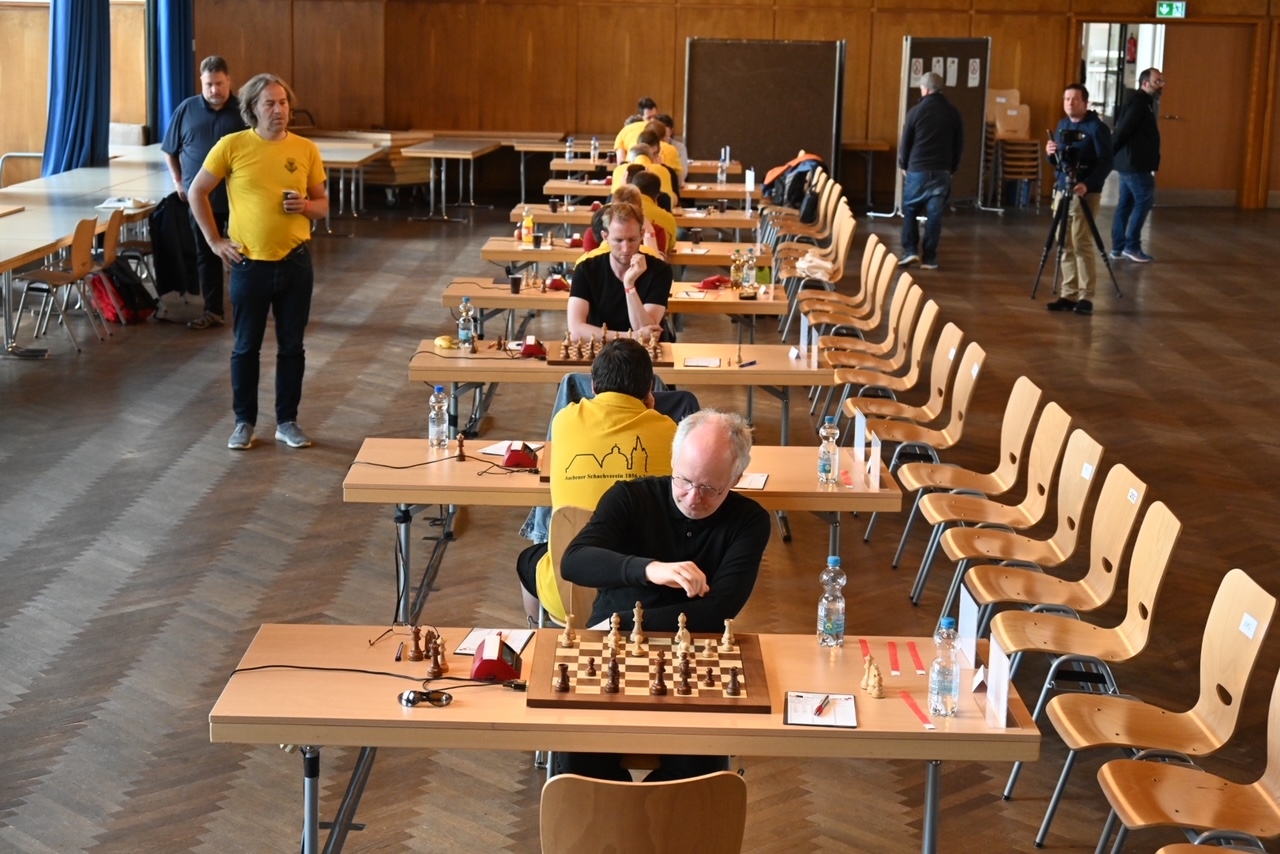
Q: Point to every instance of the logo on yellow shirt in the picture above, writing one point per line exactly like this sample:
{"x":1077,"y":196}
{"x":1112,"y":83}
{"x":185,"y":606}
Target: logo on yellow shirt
{"x":291,"y":165}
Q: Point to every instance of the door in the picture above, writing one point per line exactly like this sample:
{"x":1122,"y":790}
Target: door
{"x":1204,"y":113}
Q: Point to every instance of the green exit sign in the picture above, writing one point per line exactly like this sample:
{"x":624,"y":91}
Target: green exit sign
{"x":1171,"y":10}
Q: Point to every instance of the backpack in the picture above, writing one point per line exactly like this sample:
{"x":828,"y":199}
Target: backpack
{"x":120,"y":295}
{"x":786,"y":184}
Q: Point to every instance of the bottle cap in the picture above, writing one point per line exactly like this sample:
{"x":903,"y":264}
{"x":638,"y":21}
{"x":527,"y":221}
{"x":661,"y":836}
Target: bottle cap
{"x":948,"y":623}
{"x":831,"y":419}
{"x":834,"y":560}
{"x":439,"y":389}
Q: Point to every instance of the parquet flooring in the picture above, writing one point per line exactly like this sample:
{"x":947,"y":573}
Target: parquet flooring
{"x":138,"y":554}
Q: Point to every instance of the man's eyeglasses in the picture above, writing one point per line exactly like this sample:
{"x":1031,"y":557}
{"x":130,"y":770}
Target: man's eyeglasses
{"x":685,"y":485}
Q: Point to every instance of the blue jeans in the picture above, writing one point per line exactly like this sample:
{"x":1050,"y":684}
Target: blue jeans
{"x":1137,"y":195}
{"x":926,"y":191}
{"x":283,"y":289}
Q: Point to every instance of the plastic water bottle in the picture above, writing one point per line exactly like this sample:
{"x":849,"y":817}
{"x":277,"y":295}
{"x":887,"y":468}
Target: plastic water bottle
{"x":466,"y":324}
{"x":438,"y":419}
{"x":828,"y":452}
{"x":944,"y":673}
{"x":595,"y":148}
{"x":722,"y":171}
{"x":568,"y":149}
{"x":749,"y":269}
{"x":831,"y":605}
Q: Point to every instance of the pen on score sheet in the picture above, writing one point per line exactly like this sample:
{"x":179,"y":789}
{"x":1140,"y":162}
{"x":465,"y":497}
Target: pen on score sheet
{"x":400,"y":651}
{"x":822,"y":707}
{"x":747,"y":364}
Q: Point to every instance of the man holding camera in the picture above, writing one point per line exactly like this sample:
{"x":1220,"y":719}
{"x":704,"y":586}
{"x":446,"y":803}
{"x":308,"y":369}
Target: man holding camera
{"x":1081,"y":153}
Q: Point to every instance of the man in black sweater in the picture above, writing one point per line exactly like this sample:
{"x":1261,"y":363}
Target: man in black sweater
{"x":928,"y":155}
{"x":1137,"y":146}
{"x":684,"y":544}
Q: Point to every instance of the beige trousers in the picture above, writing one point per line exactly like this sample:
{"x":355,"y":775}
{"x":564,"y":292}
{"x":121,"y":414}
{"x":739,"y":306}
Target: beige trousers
{"x":1080,"y":258}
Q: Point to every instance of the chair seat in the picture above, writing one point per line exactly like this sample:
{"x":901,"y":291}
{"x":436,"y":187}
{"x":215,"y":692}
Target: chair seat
{"x":883,"y":407}
{"x":991,"y":583}
{"x":1096,"y":720}
{"x":1143,"y":792}
{"x":905,"y":431}
{"x":1023,"y":631}
{"x":849,"y":344}
{"x":989,"y":545}
{"x":941,"y":507}
{"x":913,"y":476}
{"x":50,"y":277}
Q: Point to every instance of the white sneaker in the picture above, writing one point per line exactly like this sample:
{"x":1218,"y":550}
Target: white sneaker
{"x":291,"y":434}
{"x":242,"y":437}
{"x":908,"y":260}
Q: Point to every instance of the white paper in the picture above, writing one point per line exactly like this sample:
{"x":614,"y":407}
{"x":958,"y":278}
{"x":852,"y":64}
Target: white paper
{"x":938,"y":65}
{"x":692,"y":251}
{"x":804,"y":332}
{"x":750,"y":177}
{"x":953,"y":71}
{"x":500,"y":449}
{"x":860,"y":436}
{"x":873,"y":465}
{"x":841,"y":709}
{"x":750,"y":480}
{"x":967,"y":631}
{"x":703,"y":362}
{"x":794,"y":353}
{"x":693,"y":295}
{"x":975,"y":73}
{"x":517,"y":639}
{"x":917,"y":70}
{"x":997,"y":686}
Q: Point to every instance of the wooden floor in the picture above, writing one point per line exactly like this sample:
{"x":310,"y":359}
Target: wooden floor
{"x":138,"y":555}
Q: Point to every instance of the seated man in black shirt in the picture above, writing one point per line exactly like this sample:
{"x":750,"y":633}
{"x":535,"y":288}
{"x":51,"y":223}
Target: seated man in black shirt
{"x":623,"y":287}
{"x":679,"y":544}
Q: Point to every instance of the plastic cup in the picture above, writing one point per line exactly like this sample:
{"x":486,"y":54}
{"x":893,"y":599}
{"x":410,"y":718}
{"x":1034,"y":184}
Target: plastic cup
{"x":537,"y":241}
{"x":517,"y":282}
{"x":554,"y":204}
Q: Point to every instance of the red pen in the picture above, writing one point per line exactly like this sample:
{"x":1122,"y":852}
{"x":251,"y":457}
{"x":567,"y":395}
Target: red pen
{"x":822,"y":707}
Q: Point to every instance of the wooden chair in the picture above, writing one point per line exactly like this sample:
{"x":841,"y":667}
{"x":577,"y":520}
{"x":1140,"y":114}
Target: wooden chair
{"x":706,"y":814}
{"x":992,"y":545}
{"x":827,"y":318}
{"x":927,"y":441}
{"x":1227,"y":657}
{"x":925,"y":478}
{"x":1217,"y":841}
{"x":1114,"y":518}
{"x":957,"y":508}
{"x":879,"y":378}
{"x":1165,"y":794}
{"x":904,"y":308}
{"x":566,"y":522}
{"x":842,"y":241}
{"x":48,"y":280}
{"x":873,"y":255}
{"x":1083,"y":652}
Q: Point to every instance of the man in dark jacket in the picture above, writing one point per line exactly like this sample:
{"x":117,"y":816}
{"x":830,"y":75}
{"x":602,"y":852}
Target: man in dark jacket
{"x":928,"y":155}
{"x":1081,"y":152}
{"x":1137,"y":145}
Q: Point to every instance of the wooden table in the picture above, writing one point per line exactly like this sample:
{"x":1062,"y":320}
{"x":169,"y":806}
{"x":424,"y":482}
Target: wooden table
{"x":570,"y":189}
{"x":586,"y":164}
{"x":344,"y":156}
{"x":444,"y":150}
{"x":712,"y":253}
{"x":867,"y":148}
{"x":410,"y":475}
{"x":735,"y":218}
{"x":767,"y":366}
{"x":320,"y":707}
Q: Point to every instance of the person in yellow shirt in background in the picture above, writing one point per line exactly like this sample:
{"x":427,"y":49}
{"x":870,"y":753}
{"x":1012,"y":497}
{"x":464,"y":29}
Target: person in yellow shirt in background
{"x":646,"y":109}
{"x":654,"y":135}
{"x":662,"y":221}
{"x":614,"y":436}
{"x":642,"y":155}
{"x":276,"y":189}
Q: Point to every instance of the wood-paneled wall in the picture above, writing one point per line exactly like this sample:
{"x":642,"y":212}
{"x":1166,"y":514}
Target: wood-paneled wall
{"x":579,"y":65}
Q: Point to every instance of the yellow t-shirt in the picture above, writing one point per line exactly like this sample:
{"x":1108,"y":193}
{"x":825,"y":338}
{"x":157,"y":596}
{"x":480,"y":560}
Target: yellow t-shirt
{"x":604,"y":247}
{"x":660,"y":219}
{"x":664,"y":176}
{"x":258,"y":171}
{"x":595,"y":444}
{"x":626,"y":137}
{"x":670,"y":156}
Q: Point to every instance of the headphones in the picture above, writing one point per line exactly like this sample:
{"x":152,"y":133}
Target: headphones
{"x":431,"y":698}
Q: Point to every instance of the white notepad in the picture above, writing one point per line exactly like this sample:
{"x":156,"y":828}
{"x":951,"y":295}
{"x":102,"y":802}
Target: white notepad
{"x":703,"y":362}
{"x":841,"y":710}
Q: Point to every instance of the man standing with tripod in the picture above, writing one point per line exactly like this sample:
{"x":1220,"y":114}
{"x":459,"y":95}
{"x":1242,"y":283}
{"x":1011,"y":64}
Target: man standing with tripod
{"x":1081,"y":153}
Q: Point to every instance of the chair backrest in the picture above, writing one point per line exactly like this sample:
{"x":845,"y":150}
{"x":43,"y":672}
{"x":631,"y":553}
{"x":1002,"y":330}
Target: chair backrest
{"x":1076,"y":478}
{"x":1042,"y":461}
{"x":962,"y":392}
{"x":1238,"y":622}
{"x":82,"y":247}
{"x":940,"y":374}
{"x":1151,"y":552}
{"x":581,"y":815}
{"x":111,"y":238}
{"x":904,"y":312}
{"x":846,"y":226}
{"x":1019,"y":413}
{"x":869,"y":253}
{"x":1114,"y":518}
{"x":566,"y":522}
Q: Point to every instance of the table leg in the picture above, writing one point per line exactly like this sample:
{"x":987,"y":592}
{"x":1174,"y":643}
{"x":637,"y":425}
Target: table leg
{"x":342,"y":823}
{"x":473,"y":183}
{"x":523,"y":155}
{"x":932,"y":784}
{"x":404,"y":543}
{"x":310,"y":800}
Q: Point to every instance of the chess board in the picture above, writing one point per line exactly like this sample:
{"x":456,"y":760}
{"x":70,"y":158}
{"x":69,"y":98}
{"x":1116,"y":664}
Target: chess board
{"x":637,"y":672}
{"x":661,"y":356}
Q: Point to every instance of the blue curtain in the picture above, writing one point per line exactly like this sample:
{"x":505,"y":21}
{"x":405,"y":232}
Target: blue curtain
{"x":171,"y":71}
{"x":79,"y":85}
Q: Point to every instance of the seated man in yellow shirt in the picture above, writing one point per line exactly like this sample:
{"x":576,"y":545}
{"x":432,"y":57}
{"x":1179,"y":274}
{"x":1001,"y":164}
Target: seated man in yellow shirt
{"x":643,"y":155}
{"x":650,"y":186}
{"x":614,"y":436}
{"x":646,"y":109}
{"x":654,"y":135}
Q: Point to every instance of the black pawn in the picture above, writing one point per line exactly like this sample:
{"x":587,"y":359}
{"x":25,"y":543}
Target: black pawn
{"x":591,"y":667}
{"x":709,"y":680}
{"x":562,"y":683}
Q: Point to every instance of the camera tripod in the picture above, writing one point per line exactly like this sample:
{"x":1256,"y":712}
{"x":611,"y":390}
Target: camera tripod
{"x":1058,"y":232}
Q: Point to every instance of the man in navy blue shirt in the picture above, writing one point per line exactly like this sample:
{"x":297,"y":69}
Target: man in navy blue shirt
{"x":197,"y":124}
{"x":928,"y":155}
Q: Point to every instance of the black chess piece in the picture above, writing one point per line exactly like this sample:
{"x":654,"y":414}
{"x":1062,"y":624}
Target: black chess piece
{"x":684,"y":689}
{"x":658,"y":688}
{"x":709,"y":680}
{"x":591,"y":667}
{"x":611,"y":687}
{"x":415,"y":654}
{"x":435,"y":671}
{"x":734,"y":688}
{"x":562,"y":681}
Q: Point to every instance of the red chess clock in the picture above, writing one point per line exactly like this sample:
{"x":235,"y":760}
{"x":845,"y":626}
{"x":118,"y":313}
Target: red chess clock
{"x":496,"y":660}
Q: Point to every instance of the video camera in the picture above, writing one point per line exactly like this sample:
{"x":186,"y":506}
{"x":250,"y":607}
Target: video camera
{"x":1068,"y":154}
